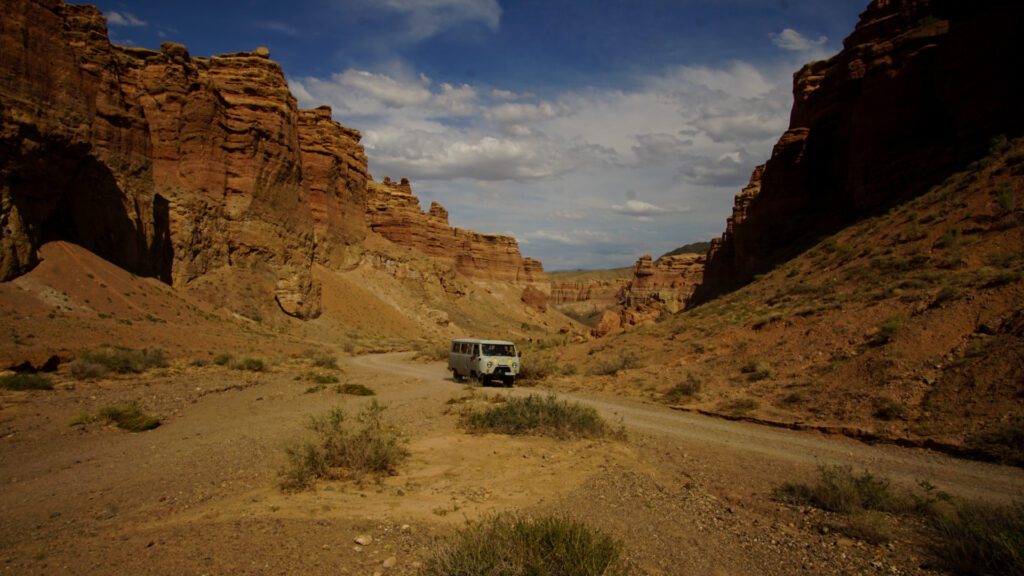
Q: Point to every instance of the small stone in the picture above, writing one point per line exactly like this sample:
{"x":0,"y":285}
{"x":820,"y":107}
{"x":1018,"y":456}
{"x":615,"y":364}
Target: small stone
{"x":406,"y":528}
{"x":363,"y":540}
{"x":390,"y":562}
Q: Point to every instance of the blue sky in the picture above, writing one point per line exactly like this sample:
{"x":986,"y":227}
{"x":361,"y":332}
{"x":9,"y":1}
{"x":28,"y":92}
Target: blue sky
{"x":592,"y":131}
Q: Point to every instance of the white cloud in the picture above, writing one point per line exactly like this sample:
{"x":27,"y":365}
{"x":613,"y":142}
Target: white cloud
{"x":126,"y":19}
{"x":499,"y":94}
{"x":389,"y":91}
{"x":427,"y":18}
{"x":790,"y":39}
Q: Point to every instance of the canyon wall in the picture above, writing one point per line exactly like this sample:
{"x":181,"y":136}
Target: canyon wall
{"x":393,"y":211}
{"x":918,"y":91}
{"x":202,"y":172}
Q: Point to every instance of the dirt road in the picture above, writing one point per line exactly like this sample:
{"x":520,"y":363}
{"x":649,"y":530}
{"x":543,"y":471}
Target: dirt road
{"x":199,"y":495}
{"x":779,"y":449}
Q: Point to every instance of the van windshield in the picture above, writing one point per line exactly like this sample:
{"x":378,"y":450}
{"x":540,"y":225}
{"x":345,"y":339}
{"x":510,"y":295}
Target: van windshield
{"x":499,"y":350}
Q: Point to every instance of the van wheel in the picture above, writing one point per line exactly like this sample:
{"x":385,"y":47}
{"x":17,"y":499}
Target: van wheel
{"x":508,"y":382}
{"x":456,"y":376}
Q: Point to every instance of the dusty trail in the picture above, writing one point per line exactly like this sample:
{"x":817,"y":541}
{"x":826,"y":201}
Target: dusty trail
{"x":735,"y":443}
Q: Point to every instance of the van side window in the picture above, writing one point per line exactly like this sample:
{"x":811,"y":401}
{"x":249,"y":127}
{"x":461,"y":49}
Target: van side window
{"x":476,"y":349}
{"x":455,"y":346}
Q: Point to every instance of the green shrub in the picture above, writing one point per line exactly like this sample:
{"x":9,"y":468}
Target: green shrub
{"x":756,"y":370}
{"x":248,"y":363}
{"x":508,"y":545}
{"x":26,"y":382}
{"x":839,"y":490}
{"x":354,"y":390}
{"x":1004,"y":197}
{"x":536,"y":369}
{"x":977,"y":539}
{"x":685,"y":390}
{"x":129,"y":417}
{"x":343,"y":448}
{"x":320,"y":378}
{"x":223,"y":359}
{"x":117,"y":359}
{"x":540,"y":416}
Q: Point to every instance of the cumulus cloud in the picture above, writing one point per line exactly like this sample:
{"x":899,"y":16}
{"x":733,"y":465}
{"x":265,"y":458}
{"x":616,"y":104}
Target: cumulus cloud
{"x":790,"y":39}
{"x":125,"y":19}
{"x":427,"y":18}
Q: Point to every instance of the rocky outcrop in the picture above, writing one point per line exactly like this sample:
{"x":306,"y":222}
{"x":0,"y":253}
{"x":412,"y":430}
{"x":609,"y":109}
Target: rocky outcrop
{"x":919,"y":90}
{"x":591,"y":290}
{"x":657,"y":287}
{"x":170,"y":165}
{"x":393,"y":211}
{"x":74,"y":152}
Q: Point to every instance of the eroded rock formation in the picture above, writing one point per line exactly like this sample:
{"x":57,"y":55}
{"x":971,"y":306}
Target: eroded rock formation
{"x":657,"y":287}
{"x":393,"y":211}
{"x":200,"y":171}
{"x":166,"y":164}
{"x":919,"y":89}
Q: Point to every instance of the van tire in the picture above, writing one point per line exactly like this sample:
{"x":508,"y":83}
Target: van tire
{"x":508,"y":381}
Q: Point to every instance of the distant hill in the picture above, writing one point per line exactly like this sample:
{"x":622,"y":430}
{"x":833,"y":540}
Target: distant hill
{"x":693,"y":248}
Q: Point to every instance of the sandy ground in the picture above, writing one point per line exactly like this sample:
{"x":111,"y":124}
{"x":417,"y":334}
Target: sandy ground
{"x":685,"y":493}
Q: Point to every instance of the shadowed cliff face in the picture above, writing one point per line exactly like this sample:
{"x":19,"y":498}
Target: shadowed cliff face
{"x":920,"y":89}
{"x":183,"y":168}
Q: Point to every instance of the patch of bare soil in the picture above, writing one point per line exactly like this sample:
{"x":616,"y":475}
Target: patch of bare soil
{"x":199,"y":494}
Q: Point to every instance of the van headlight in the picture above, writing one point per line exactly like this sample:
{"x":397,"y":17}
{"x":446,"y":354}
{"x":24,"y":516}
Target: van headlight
{"x":490,"y":365}
{"x":515,"y":365}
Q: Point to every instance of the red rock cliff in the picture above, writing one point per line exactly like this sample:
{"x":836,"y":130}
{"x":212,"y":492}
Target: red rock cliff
{"x":919,"y":90}
{"x":657,"y":286}
{"x":393,"y":211}
{"x":166,"y":164}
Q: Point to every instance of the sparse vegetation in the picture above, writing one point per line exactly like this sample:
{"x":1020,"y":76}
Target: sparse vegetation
{"x":319,"y":378}
{"x":738,"y":406}
{"x":756,"y":370}
{"x":613,"y":365}
{"x":126,"y":416}
{"x":887,"y":331}
{"x":981,"y":540}
{"x":117,"y":359}
{"x":537,"y":415}
{"x":683,"y":391}
{"x":248,"y":363}
{"x":511,"y":545}
{"x":26,"y":382}
{"x":354,"y":390}
{"x":840,"y":490}
{"x":344,"y":448}
{"x":891,"y":410}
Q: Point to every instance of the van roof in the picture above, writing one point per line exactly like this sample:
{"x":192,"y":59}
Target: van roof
{"x":478,"y":341}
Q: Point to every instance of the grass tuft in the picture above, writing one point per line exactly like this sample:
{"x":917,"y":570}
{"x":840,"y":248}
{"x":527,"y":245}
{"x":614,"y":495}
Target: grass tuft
{"x":539,"y":416}
{"x":117,"y":359}
{"x":979,"y":539}
{"x":26,"y":382}
{"x":616,"y":364}
{"x":345,"y":448}
{"x":683,"y":391}
{"x":354,"y":390}
{"x":511,"y":545}
{"x":129,"y":417}
{"x":840,"y":490}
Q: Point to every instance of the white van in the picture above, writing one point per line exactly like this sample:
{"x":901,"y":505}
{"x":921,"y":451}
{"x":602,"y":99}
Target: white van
{"x":484,"y":360}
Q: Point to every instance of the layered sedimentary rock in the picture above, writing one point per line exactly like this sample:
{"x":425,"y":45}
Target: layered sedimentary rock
{"x":393,"y":211}
{"x":657,"y":287}
{"x":919,"y":90}
{"x":570,"y":292}
{"x":166,"y":164}
{"x":74,"y":150}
